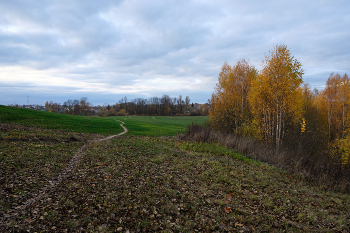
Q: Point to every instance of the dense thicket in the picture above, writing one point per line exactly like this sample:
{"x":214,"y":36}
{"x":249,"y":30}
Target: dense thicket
{"x":274,"y":106}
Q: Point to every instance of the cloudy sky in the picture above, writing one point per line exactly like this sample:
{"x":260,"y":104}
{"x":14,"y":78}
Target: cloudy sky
{"x":105,"y":50}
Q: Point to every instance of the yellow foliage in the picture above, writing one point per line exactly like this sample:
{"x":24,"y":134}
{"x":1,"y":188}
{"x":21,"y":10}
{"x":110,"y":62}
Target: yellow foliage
{"x":336,"y":101}
{"x":276,"y":95}
{"x":303,"y":125}
{"x":272,"y":105}
{"x":341,"y":147}
{"x":230,"y":107}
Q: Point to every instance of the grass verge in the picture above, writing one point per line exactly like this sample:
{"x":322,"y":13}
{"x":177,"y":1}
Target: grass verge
{"x":320,"y":168}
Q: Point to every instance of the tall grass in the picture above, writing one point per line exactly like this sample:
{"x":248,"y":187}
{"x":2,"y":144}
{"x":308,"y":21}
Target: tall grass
{"x":322,"y":169}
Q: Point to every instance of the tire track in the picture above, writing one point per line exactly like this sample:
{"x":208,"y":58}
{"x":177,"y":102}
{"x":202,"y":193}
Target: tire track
{"x":41,"y":195}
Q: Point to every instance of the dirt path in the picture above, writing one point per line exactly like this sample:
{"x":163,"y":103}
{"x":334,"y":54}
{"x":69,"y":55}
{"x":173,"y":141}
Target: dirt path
{"x":42,"y":194}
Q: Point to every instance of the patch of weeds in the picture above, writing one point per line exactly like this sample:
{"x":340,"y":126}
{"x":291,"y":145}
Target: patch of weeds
{"x":301,"y":217}
{"x":72,"y":223}
{"x":150,"y":184}
{"x":157,"y":160}
{"x":216,"y":149}
{"x":116,"y":173}
{"x":70,"y":203}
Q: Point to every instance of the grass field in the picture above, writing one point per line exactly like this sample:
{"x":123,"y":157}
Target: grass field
{"x":63,"y":122}
{"x":138,"y":183}
{"x":159,"y":125}
{"x":137,"y":125}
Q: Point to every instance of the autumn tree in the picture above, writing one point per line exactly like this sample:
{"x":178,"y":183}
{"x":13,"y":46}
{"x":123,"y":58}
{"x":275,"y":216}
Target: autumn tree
{"x":85,"y":106}
{"x":230,"y":106}
{"x":276,"y":95}
{"x":180,"y":104}
{"x":165,"y":103}
{"x":219,"y":114}
{"x":336,"y":103}
{"x":76,"y":107}
{"x":68,"y":107}
{"x":312,"y":136}
{"x":47,"y":105}
{"x":337,"y":96}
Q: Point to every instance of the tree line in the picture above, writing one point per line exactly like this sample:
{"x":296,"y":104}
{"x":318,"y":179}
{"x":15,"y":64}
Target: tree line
{"x":277,"y":107}
{"x":155,"y":106}
{"x":73,"y":107}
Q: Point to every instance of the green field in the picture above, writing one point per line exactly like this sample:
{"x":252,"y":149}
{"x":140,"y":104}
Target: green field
{"x":159,"y":125}
{"x":137,"y":125}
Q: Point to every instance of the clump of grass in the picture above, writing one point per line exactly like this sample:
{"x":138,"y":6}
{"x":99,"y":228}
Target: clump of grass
{"x":214,"y":148}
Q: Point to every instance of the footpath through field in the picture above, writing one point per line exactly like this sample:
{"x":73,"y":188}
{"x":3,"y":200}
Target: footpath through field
{"x":54,"y":182}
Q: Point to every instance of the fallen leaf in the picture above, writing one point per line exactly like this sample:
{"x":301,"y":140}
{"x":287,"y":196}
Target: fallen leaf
{"x":230,"y":195}
{"x":238,"y":224}
{"x":228,"y":210}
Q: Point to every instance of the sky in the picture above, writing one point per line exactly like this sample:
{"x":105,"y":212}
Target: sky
{"x":55,"y":50}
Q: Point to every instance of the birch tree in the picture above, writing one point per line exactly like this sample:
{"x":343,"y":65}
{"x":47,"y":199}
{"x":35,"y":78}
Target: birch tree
{"x":230,"y":107}
{"x":276,"y":94}
{"x":336,"y":94}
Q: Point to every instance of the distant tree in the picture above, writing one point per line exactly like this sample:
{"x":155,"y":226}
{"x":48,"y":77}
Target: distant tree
{"x":51,"y":106}
{"x":47,"y":106}
{"x":187,"y":101}
{"x":180,"y":104}
{"x":85,"y":106}
{"x":125,"y":102}
{"x":165,"y":102}
{"x":76,"y":107}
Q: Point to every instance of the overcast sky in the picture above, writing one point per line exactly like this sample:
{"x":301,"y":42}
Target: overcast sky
{"x":105,"y":50}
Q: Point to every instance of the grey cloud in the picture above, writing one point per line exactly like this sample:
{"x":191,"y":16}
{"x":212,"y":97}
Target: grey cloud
{"x":128,"y":43}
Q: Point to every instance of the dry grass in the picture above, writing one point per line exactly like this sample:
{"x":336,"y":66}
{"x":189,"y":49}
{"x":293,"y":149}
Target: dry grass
{"x":319,"y":167}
